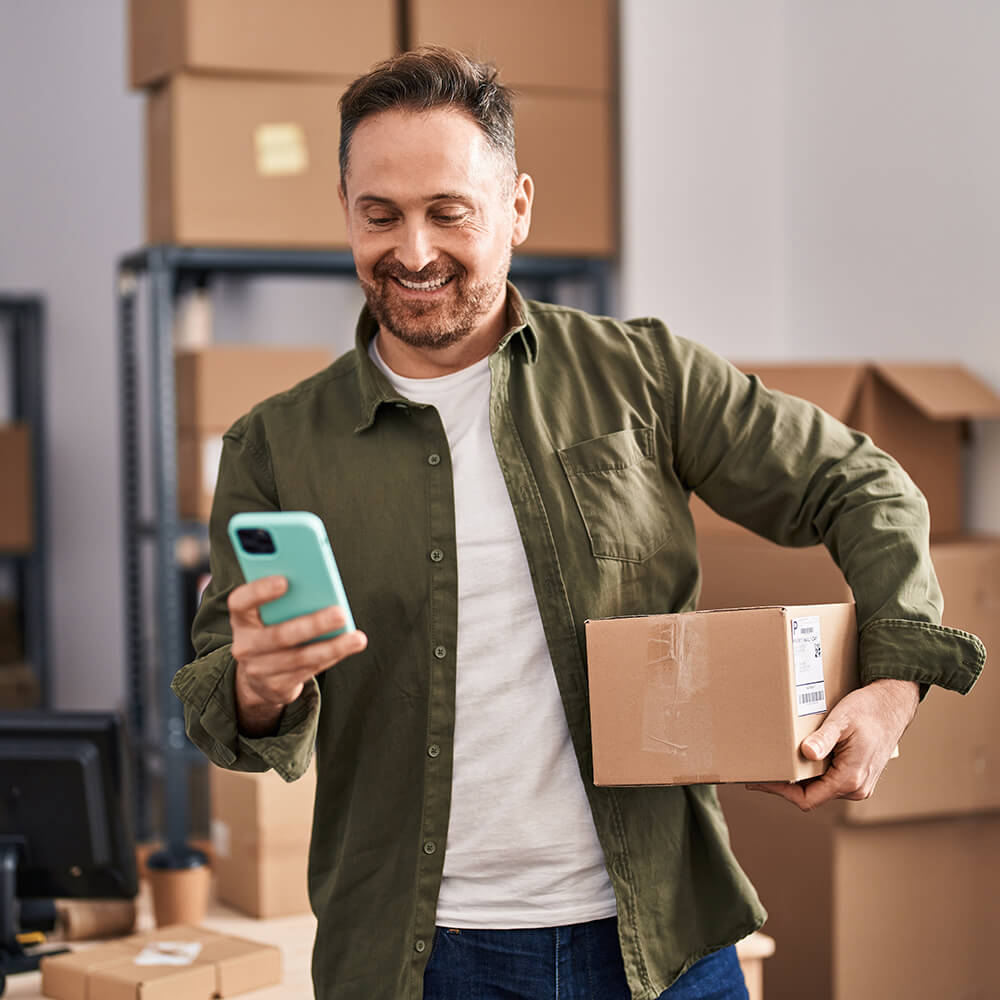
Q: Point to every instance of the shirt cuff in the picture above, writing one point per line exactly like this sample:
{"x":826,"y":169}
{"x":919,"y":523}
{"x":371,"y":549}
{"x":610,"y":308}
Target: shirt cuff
{"x":207,"y":690}
{"x":922,"y":652}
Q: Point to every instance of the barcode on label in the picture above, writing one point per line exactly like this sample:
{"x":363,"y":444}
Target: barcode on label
{"x":810,"y":697}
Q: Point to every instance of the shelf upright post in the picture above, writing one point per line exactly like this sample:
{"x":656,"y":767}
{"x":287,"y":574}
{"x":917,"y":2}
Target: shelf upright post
{"x":135,"y":646}
{"x":167,"y":585}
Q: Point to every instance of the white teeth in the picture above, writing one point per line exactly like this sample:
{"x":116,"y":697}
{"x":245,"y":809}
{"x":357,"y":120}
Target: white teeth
{"x":423,"y":286}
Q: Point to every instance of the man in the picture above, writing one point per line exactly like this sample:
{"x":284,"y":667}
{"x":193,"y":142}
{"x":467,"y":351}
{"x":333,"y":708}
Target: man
{"x":493,"y":472}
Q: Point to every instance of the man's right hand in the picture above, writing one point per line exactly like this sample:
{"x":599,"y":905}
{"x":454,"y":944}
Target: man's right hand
{"x":272,"y":664}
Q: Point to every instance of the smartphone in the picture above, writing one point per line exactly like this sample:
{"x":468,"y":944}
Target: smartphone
{"x":292,"y":544}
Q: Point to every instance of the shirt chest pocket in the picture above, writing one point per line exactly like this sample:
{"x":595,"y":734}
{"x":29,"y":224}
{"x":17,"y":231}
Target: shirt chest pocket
{"x":618,"y":490}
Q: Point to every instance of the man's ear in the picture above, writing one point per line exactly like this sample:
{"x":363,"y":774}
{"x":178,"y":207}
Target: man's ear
{"x":524,"y":195}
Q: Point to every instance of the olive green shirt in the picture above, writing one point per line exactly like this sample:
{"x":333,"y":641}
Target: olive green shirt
{"x":602,"y":429}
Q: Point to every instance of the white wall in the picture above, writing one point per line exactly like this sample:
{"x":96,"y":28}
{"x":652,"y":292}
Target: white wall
{"x":867,"y":132}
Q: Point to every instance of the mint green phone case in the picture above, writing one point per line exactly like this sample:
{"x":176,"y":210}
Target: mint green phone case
{"x":302,"y":555}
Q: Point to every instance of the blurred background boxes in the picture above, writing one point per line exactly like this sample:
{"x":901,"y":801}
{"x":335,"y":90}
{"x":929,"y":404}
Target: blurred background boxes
{"x":281,"y":37}
{"x":919,"y":413}
{"x":16,"y":499}
{"x":261,"y":827}
{"x":216,"y":385}
{"x":559,"y":57}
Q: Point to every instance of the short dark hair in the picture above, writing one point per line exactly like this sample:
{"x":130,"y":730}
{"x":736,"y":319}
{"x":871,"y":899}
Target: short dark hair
{"x":426,"y":78}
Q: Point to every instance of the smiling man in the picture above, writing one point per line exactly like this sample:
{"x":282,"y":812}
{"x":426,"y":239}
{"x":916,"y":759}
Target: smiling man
{"x":492,"y":472}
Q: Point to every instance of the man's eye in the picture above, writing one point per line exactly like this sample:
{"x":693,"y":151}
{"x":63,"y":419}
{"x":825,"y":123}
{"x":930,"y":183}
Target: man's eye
{"x":380,"y":221}
{"x":450,"y":219}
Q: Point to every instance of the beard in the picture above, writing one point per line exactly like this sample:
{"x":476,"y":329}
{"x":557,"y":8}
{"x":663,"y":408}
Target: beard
{"x":434,"y":324}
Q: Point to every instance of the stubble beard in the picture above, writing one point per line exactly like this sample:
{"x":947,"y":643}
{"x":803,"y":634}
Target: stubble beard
{"x":432,"y":324}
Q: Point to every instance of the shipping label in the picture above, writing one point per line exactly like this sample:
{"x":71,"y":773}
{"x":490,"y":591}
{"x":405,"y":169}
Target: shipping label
{"x":807,"y":654}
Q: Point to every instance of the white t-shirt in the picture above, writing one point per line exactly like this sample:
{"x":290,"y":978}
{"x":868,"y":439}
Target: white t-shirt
{"x":522,"y":850}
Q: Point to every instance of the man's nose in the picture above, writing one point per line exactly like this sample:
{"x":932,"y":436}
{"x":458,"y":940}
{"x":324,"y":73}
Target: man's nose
{"x":416,"y":249}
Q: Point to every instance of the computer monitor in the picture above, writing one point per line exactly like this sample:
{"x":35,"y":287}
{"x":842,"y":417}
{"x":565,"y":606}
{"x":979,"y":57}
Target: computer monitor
{"x":65,"y":828}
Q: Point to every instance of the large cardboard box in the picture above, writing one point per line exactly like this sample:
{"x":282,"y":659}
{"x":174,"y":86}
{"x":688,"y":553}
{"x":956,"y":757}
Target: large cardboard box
{"x":171,"y":963}
{"x":289,"y":37}
{"x":715,"y":696}
{"x":564,"y":44}
{"x":865,"y":913}
{"x":261,"y":827}
{"x":215,"y":386}
{"x":950,"y":756}
{"x":567,"y":143}
{"x":16,"y":493}
{"x":919,"y":413}
{"x":244,"y":162}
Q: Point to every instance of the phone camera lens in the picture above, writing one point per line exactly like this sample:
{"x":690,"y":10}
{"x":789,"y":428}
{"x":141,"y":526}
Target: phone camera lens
{"x":256,"y":541}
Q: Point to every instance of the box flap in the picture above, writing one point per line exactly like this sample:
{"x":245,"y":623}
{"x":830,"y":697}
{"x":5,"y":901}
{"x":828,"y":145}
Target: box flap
{"x":942,"y":391}
{"x":831,"y":387}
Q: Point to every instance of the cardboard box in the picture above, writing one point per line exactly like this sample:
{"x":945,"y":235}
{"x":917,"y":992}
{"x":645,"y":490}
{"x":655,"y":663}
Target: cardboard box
{"x":918,"y":413}
{"x":567,"y":143}
{"x":198,"y":457}
{"x":865,"y":913}
{"x":16,"y":492}
{"x":569,"y":44}
{"x":217,"y":385}
{"x":261,"y":828}
{"x":244,"y":162}
{"x":288,"y":37}
{"x":19,"y":687}
{"x":136,"y":968}
{"x":715,"y":696}
{"x":950,"y":756}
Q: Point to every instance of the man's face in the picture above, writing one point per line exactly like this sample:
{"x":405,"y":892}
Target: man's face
{"x":432,"y":214}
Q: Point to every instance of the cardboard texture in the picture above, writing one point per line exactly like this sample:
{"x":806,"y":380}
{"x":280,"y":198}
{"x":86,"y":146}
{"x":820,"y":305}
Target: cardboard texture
{"x":198,"y":457}
{"x":715,"y":696}
{"x":16,"y":494}
{"x":869,"y":912}
{"x":288,"y":37}
{"x":224,"y":966}
{"x":566,"y":141}
{"x":261,"y":827}
{"x":569,"y":44}
{"x":949,"y":757}
{"x":919,"y":413}
{"x":244,"y":162}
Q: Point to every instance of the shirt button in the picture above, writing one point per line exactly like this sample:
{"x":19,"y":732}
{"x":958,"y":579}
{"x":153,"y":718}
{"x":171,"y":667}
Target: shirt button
{"x":434,"y":459}
{"x":419,"y":946}
{"x":436,"y":555}
{"x":440,"y":652}
{"x":430,"y":847}
{"x":433,"y":750}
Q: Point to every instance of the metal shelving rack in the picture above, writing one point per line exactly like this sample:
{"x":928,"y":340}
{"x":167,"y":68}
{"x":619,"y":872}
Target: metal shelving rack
{"x":167,"y":269}
{"x":24,"y":315}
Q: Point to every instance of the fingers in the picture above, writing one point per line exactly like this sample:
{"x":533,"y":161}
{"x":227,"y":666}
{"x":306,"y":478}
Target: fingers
{"x":245,"y":599}
{"x":251,"y":638}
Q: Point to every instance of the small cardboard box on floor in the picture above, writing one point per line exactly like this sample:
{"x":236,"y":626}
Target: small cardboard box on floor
{"x":215,"y":386}
{"x":918,"y":413}
{"x":261,"y":826}
{"x":171,"y":963}
{"x":716,"y":696}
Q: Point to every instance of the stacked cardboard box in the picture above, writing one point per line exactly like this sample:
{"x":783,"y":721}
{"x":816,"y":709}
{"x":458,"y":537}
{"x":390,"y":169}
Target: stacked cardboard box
{"x":261,"y":828}
{"x":855,"y":890}
{"x":16,"y":502}
{"x":562,"y":67}
{"x":242,"y":118}
{"x":215,"y":386}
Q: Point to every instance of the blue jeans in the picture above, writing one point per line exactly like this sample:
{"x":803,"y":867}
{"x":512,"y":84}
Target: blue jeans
{"x":576,"y":962}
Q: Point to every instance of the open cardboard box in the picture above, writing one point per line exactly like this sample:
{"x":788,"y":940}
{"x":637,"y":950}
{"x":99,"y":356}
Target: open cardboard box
{"x":918,"y":413}
{"x":716,"y":696}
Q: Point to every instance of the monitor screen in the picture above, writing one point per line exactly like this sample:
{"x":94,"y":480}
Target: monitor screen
{"x":64,"y":804}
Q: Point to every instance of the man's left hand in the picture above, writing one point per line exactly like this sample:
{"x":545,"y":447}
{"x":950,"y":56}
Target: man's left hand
{"x":861,"y":732}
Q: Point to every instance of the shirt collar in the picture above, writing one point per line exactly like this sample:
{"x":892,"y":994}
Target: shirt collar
{"x":376,"y":388}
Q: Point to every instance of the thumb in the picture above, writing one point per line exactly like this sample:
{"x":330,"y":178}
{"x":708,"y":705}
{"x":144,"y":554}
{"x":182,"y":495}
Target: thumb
{"x":821,"y":743}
